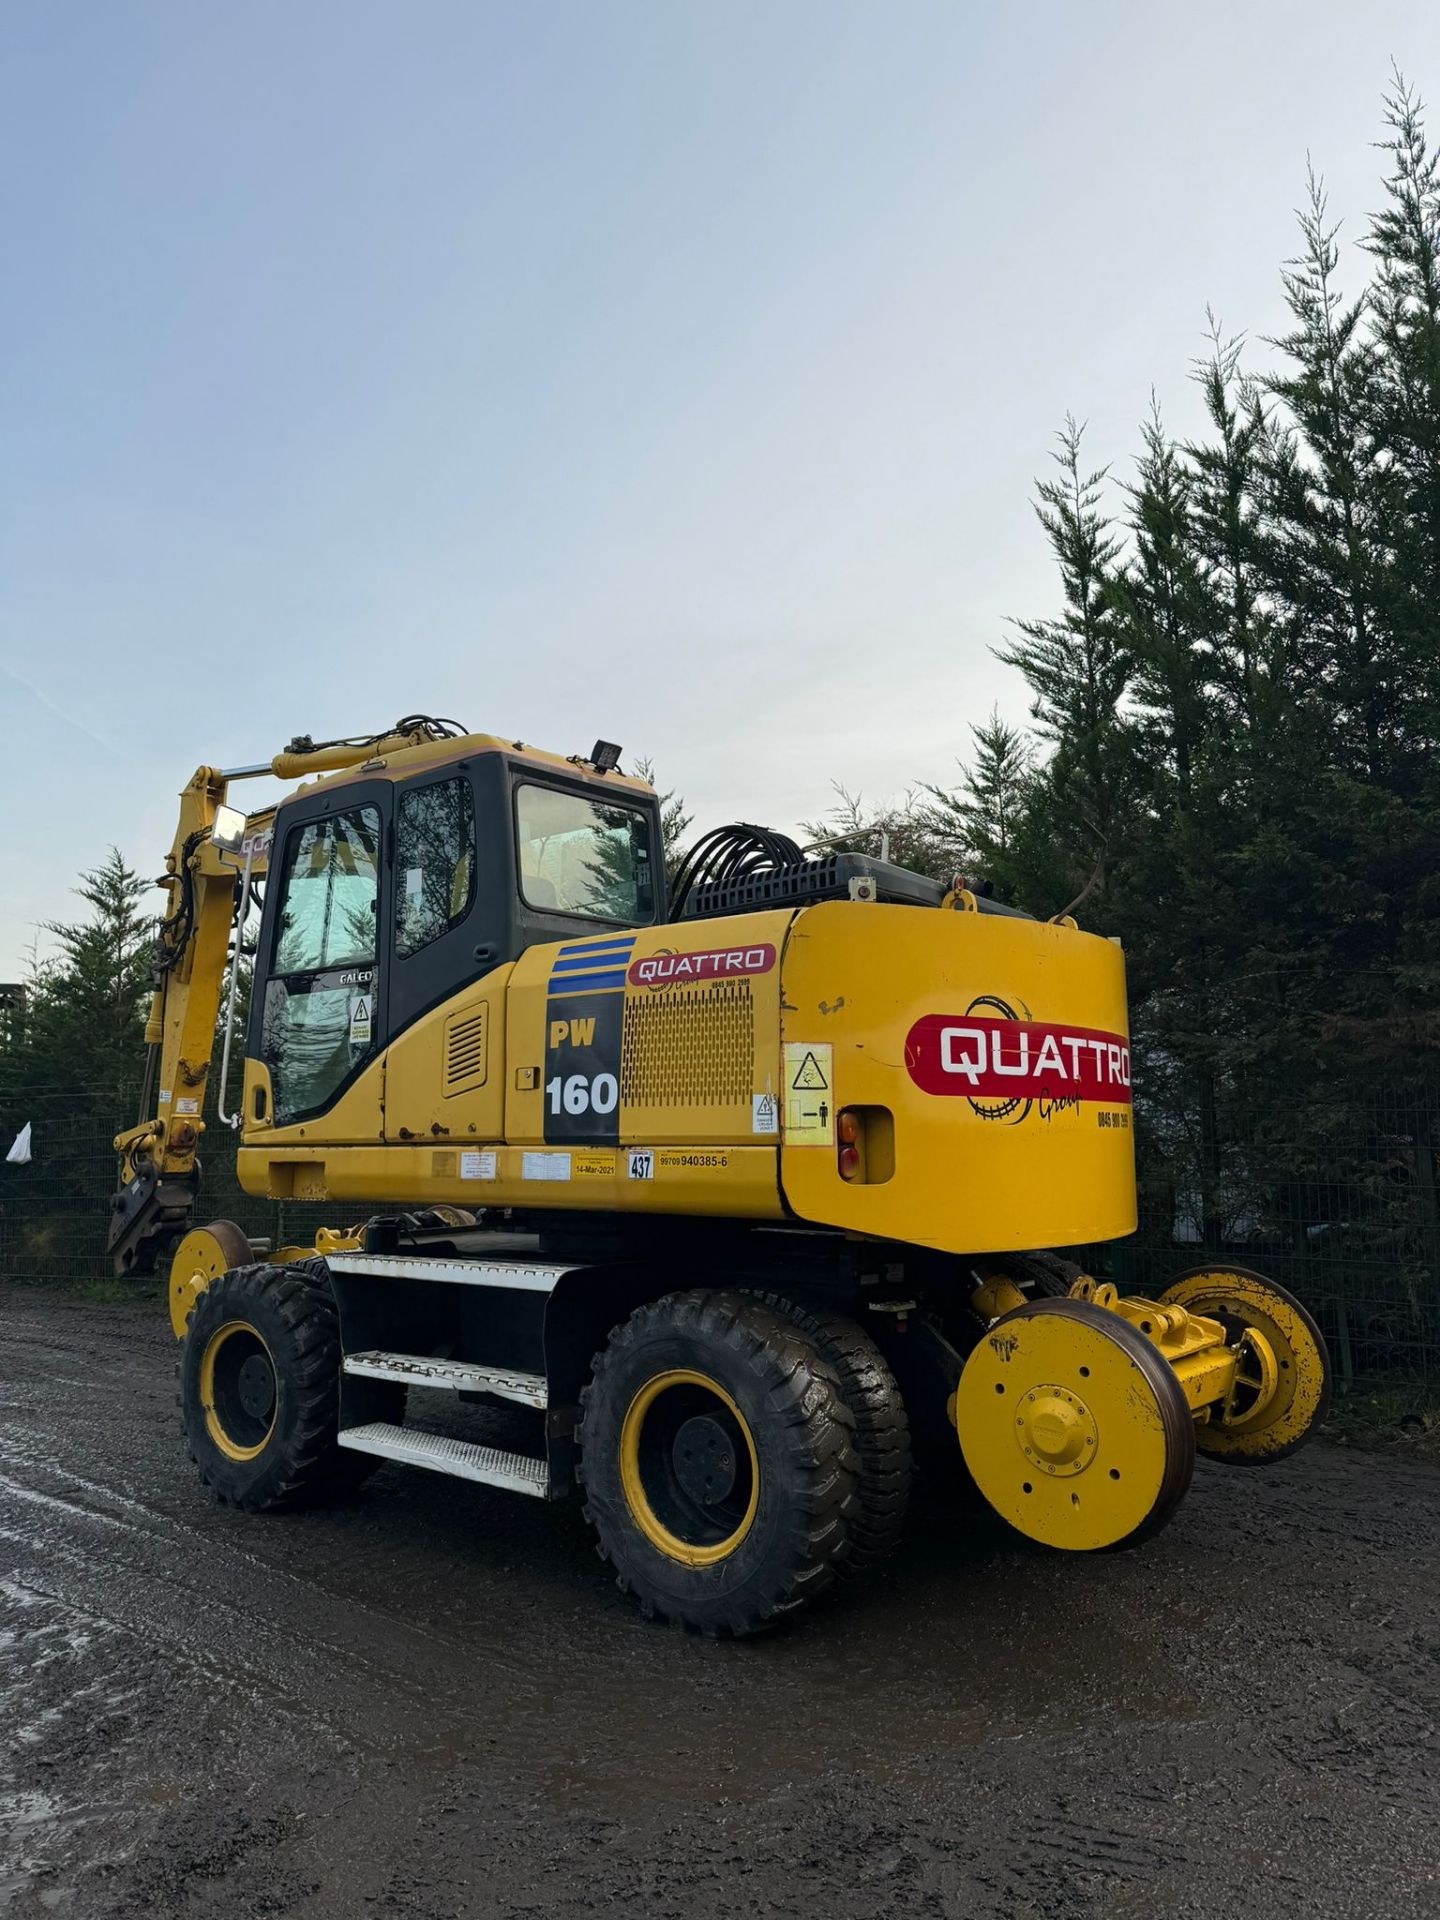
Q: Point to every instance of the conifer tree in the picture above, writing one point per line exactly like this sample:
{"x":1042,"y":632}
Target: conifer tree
{"x":1077,"y":666}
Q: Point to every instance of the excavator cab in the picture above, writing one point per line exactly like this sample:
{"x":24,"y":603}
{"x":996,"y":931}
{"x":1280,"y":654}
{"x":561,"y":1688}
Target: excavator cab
{"x":387,"y":896}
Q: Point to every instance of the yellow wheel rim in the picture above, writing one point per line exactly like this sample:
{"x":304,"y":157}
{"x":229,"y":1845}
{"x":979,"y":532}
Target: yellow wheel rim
{"x":239,"y":1390}
{"x":1240,"y":1299}
{"x":688,"y":1468}
{"x":1069,"y":1428}
{"x":202,"y":1256}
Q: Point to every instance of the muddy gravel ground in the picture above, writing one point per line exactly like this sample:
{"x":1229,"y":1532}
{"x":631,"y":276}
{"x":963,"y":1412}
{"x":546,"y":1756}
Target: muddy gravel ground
{"x":433,"y":1703}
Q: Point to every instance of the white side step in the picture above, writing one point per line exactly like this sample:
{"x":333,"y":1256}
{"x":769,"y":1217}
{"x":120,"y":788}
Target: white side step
{"x":459,"y":1376}
{"x":524,"y":1276}
{"x":520,"y":1472}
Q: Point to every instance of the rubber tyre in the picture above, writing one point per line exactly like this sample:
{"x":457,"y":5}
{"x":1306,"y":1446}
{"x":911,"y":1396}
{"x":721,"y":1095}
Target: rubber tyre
{"x":1049,"y":1276}
{"x":882,"y":1428}
{"x":806,"y":1468}
{"x":292,"y":1310}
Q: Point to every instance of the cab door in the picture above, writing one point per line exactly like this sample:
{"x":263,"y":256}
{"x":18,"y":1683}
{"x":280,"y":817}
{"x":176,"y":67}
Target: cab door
{"x":449,"y":938}
{"x":318,"y":1013}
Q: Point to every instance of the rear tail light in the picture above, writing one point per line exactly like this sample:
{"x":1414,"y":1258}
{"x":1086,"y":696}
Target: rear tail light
{"x":865,"y":1145}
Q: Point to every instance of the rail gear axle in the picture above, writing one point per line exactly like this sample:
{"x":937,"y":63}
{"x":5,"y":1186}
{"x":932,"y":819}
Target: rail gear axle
{"x":733,"y":1206}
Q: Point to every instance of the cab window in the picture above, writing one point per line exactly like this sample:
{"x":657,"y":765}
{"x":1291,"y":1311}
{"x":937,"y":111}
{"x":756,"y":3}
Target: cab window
{"x":319,"y":1013}
{"x":434,"y":863}
{"x":584,"y":856}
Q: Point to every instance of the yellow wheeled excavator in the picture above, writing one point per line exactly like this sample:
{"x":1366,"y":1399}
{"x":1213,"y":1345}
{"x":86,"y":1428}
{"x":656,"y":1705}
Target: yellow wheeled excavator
{"x":742,"y":1189}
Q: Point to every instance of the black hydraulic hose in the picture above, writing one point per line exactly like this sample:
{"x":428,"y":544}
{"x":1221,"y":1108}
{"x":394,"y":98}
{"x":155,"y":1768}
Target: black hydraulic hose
{"x":729,"y":854}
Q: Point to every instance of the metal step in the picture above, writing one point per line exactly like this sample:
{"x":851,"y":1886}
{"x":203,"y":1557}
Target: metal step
{"x":492,"y":1467}
{"x":524,"y":1276}
{"x":459,"y":1376}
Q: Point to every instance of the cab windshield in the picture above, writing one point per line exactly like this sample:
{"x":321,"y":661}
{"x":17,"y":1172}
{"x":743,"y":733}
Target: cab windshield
{"x":584,"y":856}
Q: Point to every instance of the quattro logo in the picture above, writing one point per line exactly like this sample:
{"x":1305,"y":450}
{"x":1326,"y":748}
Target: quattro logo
{"x":1017,"y":1060}
{"x":715,"y":963}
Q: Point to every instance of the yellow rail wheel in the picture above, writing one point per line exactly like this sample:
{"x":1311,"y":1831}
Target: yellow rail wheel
{"x":260,"y":1388}
{"x":201,"y":1257}
{"x":1074,"y":1427}
{"x":718,"y":1461}
{"x":1285,"y":1416}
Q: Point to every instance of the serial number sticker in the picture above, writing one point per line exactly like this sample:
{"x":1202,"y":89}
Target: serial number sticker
{"x":187,"y":1105}
{"x":545,"y":1166}
{"x":477,"y":1166}
{"x":640,"y":1164}
{"x":677,"y":1158}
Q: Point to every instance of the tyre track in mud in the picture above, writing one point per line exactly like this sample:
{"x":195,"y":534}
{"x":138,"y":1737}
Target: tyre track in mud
{"x":432,"y":1703}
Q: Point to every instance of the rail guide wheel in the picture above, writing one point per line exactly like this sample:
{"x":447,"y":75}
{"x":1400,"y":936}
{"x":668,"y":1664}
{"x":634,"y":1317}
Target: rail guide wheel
{"x":1247,"y":1304}
{"x":202,"y":1256}
{"x":1074,"y":1427}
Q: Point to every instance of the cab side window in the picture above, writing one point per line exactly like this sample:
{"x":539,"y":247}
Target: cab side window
{"x":319,"y":1013}
{"x":434,"y":863}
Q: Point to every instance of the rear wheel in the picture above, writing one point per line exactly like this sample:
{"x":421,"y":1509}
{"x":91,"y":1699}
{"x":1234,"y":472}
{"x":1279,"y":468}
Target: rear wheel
{"x":1049,"y":1276}
{"x":717,"y":1460}
{"x":882,"y":1428}
{"x":260,"y":1389}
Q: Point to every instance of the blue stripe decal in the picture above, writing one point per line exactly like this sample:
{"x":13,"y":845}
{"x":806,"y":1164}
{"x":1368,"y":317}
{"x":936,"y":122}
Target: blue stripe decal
{"x":585,"y":983}
{"x":569,"y":962}
{"x":617,"y":945}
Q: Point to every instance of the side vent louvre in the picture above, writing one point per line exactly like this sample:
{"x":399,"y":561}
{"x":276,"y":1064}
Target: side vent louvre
{"x":466,"y":1050}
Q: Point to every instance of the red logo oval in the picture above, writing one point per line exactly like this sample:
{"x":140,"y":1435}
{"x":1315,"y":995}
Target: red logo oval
{"x":713,"y":963}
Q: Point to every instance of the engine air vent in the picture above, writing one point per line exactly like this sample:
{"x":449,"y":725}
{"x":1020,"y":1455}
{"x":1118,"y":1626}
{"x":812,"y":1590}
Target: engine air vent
{"x":691,"y":1046}
{"x":466,"y":1050}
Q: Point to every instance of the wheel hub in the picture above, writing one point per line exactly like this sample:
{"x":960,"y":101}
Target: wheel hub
{"x":688,"y":1467}
{"x":1056,"y":1430}
{"x":704,"y":1456}
{"x":256,"y":1386}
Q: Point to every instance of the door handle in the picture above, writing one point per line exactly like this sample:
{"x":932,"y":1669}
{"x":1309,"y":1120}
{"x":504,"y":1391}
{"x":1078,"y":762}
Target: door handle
{"x":485,"y":953}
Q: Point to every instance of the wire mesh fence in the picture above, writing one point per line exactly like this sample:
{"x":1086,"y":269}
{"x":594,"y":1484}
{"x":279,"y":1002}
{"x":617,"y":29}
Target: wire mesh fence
{"x":1339,"y":1203}
{"x":55,"y":1212}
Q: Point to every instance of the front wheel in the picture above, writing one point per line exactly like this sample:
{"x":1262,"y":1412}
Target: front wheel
{"x":717,"y":1457}
{"x":260,"y":1389}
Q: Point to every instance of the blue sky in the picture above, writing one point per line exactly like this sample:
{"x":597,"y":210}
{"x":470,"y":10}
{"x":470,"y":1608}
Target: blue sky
{"x":672,"y":372}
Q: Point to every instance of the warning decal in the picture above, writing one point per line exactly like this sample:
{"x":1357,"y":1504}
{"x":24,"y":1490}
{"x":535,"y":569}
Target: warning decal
{"x":809,"y":1097}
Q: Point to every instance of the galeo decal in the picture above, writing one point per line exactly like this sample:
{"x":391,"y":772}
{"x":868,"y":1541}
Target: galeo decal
{"x":1014,"y":1062}
{"x":714,"y":963}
